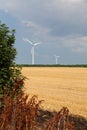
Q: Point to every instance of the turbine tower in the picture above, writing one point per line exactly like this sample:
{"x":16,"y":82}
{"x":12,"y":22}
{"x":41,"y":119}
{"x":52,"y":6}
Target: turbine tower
{"x":33,"y":46}
{"x":56,"y":57}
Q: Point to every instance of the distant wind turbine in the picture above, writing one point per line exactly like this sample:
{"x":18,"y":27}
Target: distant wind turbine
{"x":33,"y":46}
{"x":56,"y":57}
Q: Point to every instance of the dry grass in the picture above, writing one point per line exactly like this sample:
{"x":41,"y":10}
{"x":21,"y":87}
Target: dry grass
{"x":58,"y":87}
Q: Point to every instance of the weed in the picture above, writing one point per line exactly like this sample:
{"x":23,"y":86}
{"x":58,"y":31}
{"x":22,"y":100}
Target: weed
{"x":18,"y":112}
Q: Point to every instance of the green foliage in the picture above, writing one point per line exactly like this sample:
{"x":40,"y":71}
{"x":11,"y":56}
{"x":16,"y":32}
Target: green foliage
{"x":9,"y":71}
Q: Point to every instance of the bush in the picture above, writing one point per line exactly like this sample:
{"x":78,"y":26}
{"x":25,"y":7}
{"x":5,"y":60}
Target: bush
{"x":9,"y":71}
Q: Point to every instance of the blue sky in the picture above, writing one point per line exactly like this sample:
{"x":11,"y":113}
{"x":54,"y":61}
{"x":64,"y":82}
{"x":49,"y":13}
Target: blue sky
{"x":60,"y":26}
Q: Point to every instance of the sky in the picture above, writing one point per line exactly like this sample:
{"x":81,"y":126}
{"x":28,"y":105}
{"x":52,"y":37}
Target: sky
{"x":59,"y":25}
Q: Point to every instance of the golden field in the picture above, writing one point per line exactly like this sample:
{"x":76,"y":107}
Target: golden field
{"x":58,"y":87}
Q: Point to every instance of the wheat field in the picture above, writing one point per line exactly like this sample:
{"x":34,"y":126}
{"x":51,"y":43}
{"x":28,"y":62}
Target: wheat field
{"x":58,"y":87}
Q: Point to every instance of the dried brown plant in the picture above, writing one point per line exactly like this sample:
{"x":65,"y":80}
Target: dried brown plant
{"x":60,"y":121}
{"x":18,"y":112}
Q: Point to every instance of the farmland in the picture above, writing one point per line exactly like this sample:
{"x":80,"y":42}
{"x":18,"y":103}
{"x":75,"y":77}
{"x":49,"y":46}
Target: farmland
{"x":58,"y":87}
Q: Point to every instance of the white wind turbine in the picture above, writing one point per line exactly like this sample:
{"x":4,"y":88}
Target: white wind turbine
{"x":33,"y":46}
{"x":57,"y":57}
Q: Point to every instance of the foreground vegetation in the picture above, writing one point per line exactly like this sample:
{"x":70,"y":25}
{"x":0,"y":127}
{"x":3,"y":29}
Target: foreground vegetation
{"x":9,"y":71}
{"x":24,"y":113}
{"x":19,"y":113}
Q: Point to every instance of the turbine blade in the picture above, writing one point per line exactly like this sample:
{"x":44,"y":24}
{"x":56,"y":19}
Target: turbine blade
{"x":37,"y":43}
{"x":27,"y":40}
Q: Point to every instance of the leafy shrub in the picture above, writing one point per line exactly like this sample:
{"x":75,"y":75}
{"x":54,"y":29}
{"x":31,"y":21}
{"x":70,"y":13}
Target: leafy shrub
{"x":9,"y":71}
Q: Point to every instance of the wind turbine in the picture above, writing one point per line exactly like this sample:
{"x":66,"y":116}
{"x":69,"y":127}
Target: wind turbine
{"x":56,"y":57}
{"x":33,"y":46}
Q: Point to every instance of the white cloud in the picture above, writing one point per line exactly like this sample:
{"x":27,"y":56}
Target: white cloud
{"x":36,"y":29}
{"x":60,"y":22}
{"x":76,"y":44}
{"x":72,"y":1}
{"x":6,"y":5}
{"x":78,"y":50}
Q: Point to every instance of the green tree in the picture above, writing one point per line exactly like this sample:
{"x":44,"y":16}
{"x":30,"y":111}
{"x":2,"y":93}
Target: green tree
{"x":9,"y":71}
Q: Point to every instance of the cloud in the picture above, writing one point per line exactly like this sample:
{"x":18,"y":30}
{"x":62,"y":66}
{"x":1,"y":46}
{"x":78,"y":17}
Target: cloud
{"x":77,"y":41}
{"x":37,"y":29}
{"x":59,"y":23}
{"x":6,"y":5}
{"x":40,"y":32}
{"x":61,"y":17}
{"x":77,"y":44}
{"x":78,"y":50}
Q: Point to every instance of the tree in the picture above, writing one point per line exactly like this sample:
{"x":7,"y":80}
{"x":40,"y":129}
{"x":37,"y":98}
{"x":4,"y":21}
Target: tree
{"x":9,"y":71}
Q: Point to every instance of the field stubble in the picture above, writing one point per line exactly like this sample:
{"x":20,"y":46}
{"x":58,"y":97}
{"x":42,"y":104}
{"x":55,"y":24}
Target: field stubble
{"x":58,"y":87}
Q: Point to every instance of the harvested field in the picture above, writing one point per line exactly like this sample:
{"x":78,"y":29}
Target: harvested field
{"x":58,"y":87}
